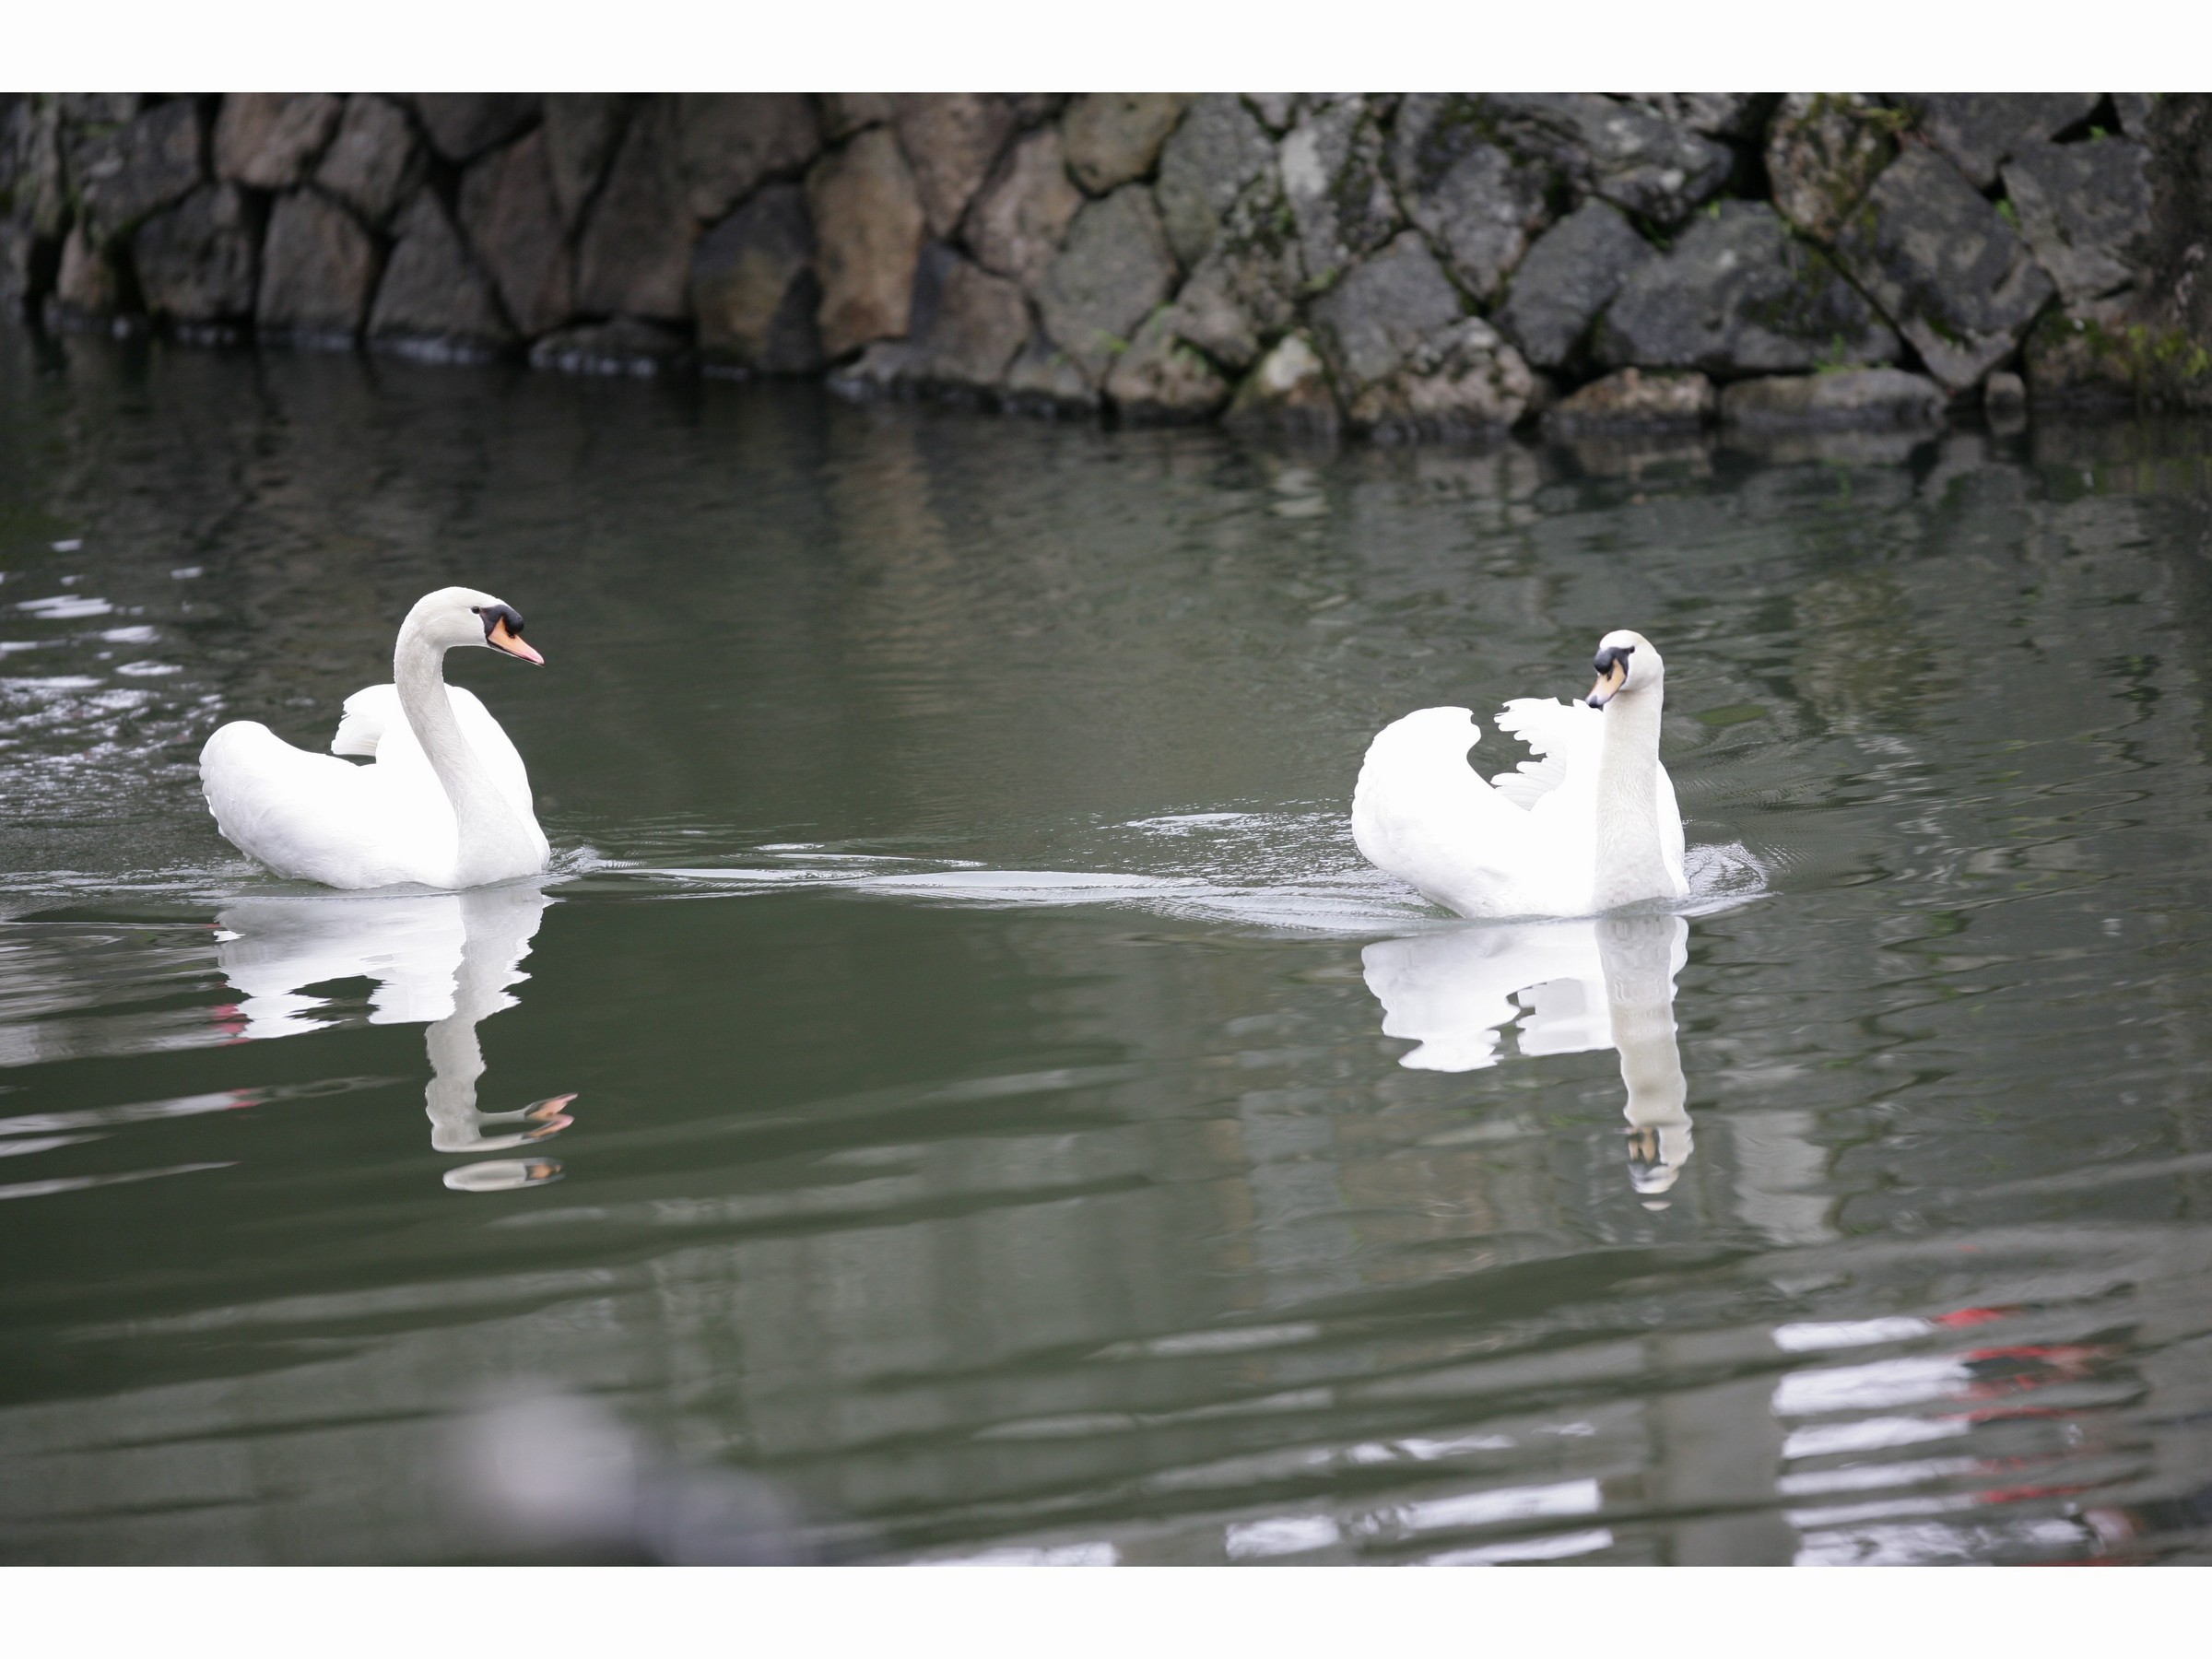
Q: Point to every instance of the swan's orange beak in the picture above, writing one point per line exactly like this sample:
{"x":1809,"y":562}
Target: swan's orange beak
{"x":499,"y":638}
{"x":1615,"y":676}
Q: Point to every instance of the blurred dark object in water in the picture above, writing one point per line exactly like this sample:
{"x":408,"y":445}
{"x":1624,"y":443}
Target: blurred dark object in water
{"x":548,"y":1478}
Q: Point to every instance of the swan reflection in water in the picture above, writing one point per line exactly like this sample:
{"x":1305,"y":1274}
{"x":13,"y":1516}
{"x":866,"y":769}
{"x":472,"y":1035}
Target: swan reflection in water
{"x":1572,"y":986}
{"x":443,"y":959}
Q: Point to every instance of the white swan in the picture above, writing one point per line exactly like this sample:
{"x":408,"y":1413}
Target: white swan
{"x":1589,"y":825}
{"x":446,"y":802}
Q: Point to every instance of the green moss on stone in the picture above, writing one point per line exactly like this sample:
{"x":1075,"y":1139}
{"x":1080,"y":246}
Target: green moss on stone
{"x":2157,"y":365}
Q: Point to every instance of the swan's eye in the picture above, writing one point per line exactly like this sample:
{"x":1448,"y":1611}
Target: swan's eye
{"x":476,"y":610}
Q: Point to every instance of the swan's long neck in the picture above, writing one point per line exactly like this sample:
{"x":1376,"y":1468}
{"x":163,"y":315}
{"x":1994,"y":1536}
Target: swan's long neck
{"x":489,"y":836}
{"x":1630,"y":864}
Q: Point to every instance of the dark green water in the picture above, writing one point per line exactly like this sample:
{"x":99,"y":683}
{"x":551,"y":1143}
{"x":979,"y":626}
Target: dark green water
{"x":985,"y":1124}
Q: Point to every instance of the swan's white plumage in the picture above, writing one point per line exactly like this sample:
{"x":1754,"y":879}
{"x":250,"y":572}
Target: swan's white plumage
{"x":375,"y":725}
{"x":393,"y":821}
{"x":362,"y":726}
{"x":1525,"y":841}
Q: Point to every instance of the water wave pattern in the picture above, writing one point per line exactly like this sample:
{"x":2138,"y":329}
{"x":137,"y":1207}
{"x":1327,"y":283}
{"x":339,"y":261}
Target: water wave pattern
{"x":1292,"y":870}
{"x":959,"y":1071}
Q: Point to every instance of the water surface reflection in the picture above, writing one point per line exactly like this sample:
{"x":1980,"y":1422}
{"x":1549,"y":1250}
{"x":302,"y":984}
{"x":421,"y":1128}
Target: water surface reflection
{"x":993,"y":1143}
{"x":1565,"y":988}
{"x":445,"y":960}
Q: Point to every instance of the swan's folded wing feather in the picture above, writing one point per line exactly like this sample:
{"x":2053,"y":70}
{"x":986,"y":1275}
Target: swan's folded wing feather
{"x":1422,"y":813}
{"x":370,"y":713}
{"x":501,"y":759}
{"x":1564,"y":739}
{"x":302,"y":814}
{"x":375,"y":713}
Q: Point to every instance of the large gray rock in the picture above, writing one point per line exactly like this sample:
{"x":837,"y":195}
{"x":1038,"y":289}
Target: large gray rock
{"x":1017,"y":220}
{"x":433,"y":302}
{"x":2126,"y":351}
{"x":635,"y":254}
{"x":463,"y":125}
{"x":1276,"y":111}
{"x":1629,"y":398}
{"x":1382,"y":310}
{"x":375,"y":163}
{"x":1737,"y":295}
{"x":1332,"y":180}
{"x":968,"y":324}
{"x":1207,"y":161}
{"x":88,"y":284}
{"x":1246,"y":291}
{"x":951,"y":140}
{"x":318,"y":268}
{"x":1114,"y":267}
{"x":1824,"y":150}
{"x":1113,"y":137}
{"x":731,"y":141}
{"x":753,"y":287}
{"x":1460,"y":380}
{"x":845,"y":114}
{"x":1479,"y":202}
{"x":1160,"y":380}
{"x":1044,"y":380}
{"x":1568,"y":277}
{"x":1716,"y":114}
{"x":123,"y":175}
{"x":195,"y":261}
{"x":101,"y":109}
{"x":1289,"y":394}
{"x":620,"y":345}
{"x":508,"y":211}
{"x":1979,"y":131}
{"x":2085,"y":211}
{"x":36,"y":181}
{"x":583,"y":132}
{"x":1852,"y":397}
{"x":1944,"y":265}
{"x":18,"y":263}
{"x":1624,"y":152}
{"x":868,"y":227}
{"x":268,"y":139}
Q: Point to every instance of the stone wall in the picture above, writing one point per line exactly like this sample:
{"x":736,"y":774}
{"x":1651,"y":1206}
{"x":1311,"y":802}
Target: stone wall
{"x":1423,"y":266}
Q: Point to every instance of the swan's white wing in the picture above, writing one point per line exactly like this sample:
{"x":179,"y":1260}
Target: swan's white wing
{"x":317,"y":816}
{"x":1422,"y":813}
{"x":370,"y":713}
{"x":495,"y":748}
{"x":1565,"y":739}
{"x":374,"y":714}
